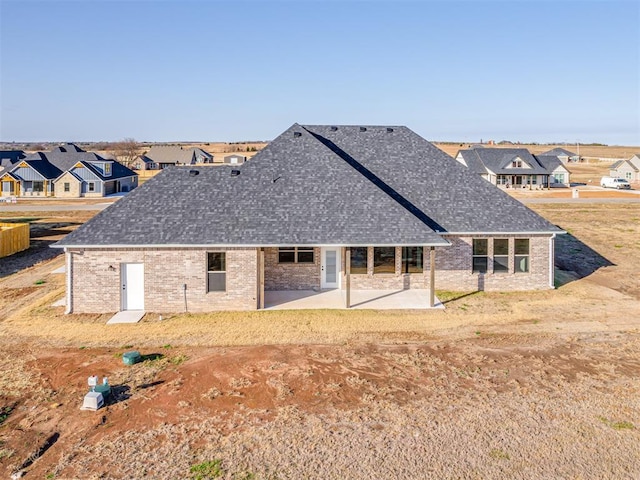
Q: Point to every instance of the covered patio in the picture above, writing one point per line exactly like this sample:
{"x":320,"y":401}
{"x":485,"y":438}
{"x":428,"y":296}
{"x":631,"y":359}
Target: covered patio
{"x":360,"y":299}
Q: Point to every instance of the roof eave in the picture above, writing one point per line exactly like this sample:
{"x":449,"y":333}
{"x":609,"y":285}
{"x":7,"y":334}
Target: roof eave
{"x":443,"y":243}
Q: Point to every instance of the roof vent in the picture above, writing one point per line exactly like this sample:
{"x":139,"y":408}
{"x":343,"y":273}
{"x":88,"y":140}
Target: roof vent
{"x":193,"y":173}
{"x":389,"y":129}
{"x":297,"y":134}
{"x":333,"y":129}
{"x":363,"y":129}
{"x":235,"y":173}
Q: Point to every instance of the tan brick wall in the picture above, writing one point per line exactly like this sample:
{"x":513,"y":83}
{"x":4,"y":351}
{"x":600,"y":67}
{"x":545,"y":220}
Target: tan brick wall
{"x":453,"y":267}
{"x":96,"y":288}
{"x":74,"y":187}
{"x":290,"y":276}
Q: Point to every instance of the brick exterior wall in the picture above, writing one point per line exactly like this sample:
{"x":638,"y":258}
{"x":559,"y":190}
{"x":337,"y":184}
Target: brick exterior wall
{"x":97,"y":289}
{"x":290,"y":276}
{"x":74,"y":186}
{"x":386,"y":281}
{"x":454,"y":267}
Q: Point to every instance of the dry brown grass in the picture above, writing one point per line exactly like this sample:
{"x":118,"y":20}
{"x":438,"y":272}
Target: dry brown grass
{"x":589,"y":151}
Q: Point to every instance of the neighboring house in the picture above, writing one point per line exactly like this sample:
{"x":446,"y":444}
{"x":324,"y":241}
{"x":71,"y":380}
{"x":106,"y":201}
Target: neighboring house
{"x":506,"y":167}
{"x":170,"y":155}
{"x":235,"y":159}
{"x":559,"y":175}
{"x":321,"y":207}
{"x":143,"y":163}
{"x":565,"y":156}
{"x":8,"y":158}
{"x":628,"y":169}
{"x":67,"y":171}
{"x":201,"y":156}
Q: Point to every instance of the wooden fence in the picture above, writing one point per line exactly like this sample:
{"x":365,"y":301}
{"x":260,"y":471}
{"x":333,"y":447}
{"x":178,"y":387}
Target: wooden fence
{"x":14,"y":237}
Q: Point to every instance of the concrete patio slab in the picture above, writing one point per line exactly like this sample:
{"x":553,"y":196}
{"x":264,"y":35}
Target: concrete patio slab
{"x":360,"y":299}
{"x":62,"y":269}
{"x":128,"y":316}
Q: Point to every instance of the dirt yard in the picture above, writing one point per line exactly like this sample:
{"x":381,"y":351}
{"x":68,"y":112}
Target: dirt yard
{"x":519,"y":385}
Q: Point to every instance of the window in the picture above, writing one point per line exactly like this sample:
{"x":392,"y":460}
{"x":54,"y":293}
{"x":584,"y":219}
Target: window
{"x":516,"y":164}
{"x":296,"y":255}
{"x":38,"y":186}
{"x":359,"y":260}
{"x":500,"y":255}
{"x":628,"y":175}
{"x":558,"y":177}
{"x":384,"y":260}
{"x":522,"y":255}
{"x":107,"y":169}
{"x":412,"y":260}
{"x":67,"y":186}
{"x":216,"y":272}
{"x":91,"y":186}
{"x":480,"y":255}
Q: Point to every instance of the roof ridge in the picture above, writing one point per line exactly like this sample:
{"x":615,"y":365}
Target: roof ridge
{"x":377,"y":181}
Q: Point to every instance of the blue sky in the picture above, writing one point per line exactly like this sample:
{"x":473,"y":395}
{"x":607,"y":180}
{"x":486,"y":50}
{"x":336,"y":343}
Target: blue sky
{"x":541,"y":71}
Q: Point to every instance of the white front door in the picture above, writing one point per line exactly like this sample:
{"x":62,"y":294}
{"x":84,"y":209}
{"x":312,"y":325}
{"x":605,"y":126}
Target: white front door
{"x":132,"y":277}
{"x":330,"y":266}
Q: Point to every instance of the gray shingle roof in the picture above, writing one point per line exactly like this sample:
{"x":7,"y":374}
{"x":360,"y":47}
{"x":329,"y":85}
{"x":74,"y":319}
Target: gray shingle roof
{"x":314,"y":185}
{"x":170,"y":154}
{"x":64,"y":160}
{"x":550,"y":162}
{"x":559,"y":152}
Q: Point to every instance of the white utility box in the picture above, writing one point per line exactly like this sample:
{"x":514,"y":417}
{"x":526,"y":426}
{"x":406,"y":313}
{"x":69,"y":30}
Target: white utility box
{"x":92,"y":401}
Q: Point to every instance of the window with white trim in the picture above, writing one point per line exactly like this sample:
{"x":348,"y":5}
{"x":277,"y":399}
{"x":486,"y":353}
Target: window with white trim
{"x":91,"y":186}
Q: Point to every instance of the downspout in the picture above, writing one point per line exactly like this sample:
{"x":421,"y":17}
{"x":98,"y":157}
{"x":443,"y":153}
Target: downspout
{"x":552,"y":255}
{"x":69,"y":297}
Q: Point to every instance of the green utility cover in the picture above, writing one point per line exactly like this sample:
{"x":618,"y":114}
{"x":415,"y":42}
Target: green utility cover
{"x":129,"y":358}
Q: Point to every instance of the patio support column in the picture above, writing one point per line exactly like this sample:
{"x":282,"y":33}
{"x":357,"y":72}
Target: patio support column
{"x":432,"y":278}
{"x":261,"y":279}
{"x":347,"y":270}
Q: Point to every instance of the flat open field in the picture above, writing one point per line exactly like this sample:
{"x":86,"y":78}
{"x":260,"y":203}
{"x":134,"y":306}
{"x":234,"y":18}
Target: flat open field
{"x":519,"y":385}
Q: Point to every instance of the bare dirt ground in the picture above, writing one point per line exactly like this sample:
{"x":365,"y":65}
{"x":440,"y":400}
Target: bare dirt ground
{"x":518,"y":385}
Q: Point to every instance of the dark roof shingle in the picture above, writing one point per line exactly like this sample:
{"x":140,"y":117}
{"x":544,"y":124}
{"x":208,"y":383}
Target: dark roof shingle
{"x":315,"y":185}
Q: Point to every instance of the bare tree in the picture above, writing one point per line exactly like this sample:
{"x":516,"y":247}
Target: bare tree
{"x":125,"y":151}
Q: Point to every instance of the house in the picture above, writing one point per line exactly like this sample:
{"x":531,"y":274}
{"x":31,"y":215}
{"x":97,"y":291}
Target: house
{"x":565,"y":156}
{"x":143,"y":163}
{"x":627,"y":169}
{"x":200,"y":156}
{"x":67,"y":171}
{"x":169,"y":155}
{"x":349,"y":208}
{"x":509,"y":167}
{"x":559,"y":174}
{"x":235,"y":159}
{"x":8,"y":158}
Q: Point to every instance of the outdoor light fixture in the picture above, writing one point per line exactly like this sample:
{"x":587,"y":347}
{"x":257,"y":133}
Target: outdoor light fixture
{"x":112,"y":268}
